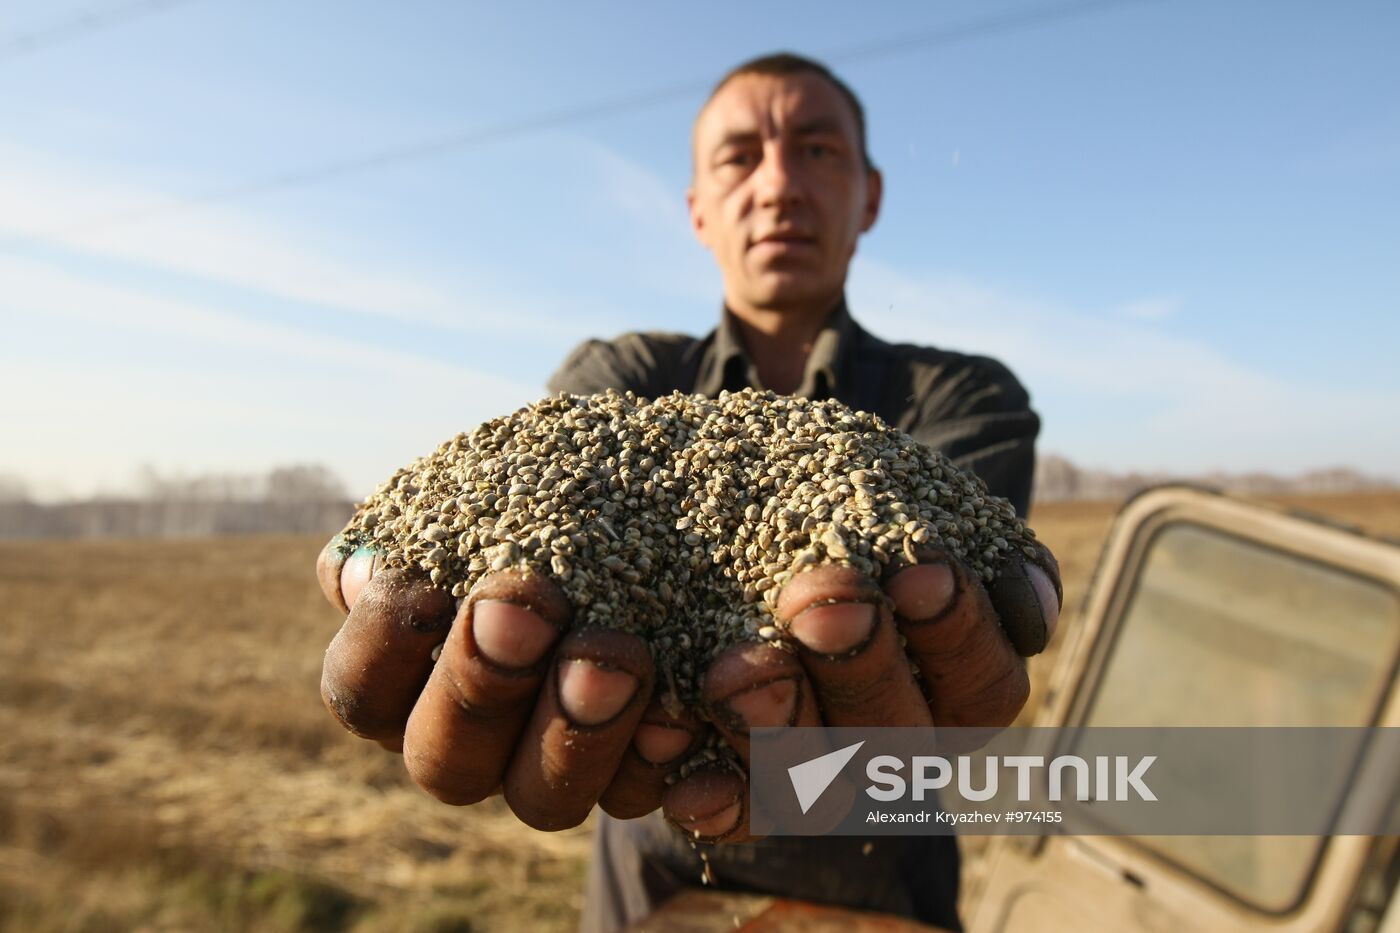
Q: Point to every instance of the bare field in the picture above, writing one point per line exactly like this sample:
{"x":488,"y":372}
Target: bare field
{"x":167,"y":764}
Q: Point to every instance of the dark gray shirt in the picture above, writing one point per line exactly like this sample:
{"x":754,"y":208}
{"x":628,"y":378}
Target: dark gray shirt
{"x":969,"y":407}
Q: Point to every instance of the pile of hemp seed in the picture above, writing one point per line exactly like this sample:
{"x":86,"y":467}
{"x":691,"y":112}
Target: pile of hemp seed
{"x":680,"y":518}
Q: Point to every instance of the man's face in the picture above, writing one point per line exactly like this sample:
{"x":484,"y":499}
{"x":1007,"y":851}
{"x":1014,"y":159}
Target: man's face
{"x":781,"y":192}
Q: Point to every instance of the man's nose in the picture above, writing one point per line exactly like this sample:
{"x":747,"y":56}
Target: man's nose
{"x":777,"y":178}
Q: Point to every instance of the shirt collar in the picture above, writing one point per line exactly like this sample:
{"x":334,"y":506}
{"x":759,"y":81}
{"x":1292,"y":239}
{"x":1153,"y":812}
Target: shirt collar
{"x":728,"y":365}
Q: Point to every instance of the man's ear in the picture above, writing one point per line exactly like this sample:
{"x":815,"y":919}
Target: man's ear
{"x":697,"y":219}
{"x":874,"y":191}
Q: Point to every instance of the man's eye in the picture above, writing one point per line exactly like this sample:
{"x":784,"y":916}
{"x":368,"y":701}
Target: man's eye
{"x":818,"y":150}
{"x":741,"y":159}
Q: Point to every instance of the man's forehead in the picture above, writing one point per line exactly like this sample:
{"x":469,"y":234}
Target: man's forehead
{"x":764,"y":104}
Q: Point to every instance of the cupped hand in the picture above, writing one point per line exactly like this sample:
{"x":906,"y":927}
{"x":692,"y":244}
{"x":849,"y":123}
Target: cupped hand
{"x":931,"y":646}
{"x":501,"y":695}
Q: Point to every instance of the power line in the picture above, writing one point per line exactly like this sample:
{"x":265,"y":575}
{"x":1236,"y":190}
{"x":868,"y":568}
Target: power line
{"x":80,"y":25}
{"x":462,"y":139}
{"x":972,"y":29}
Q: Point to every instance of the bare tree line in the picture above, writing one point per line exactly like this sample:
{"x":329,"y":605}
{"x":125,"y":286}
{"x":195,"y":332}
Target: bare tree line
{"x":1059,"y":480}
{"x":301,"y":499}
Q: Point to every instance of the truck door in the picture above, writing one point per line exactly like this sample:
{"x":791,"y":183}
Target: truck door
{"x":1207,"y":611}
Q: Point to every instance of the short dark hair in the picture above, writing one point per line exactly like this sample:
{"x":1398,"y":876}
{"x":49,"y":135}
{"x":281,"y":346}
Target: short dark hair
{"x":790,"y":63}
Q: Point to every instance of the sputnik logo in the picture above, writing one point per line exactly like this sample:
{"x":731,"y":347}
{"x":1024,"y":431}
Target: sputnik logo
{"x":811,"y":778}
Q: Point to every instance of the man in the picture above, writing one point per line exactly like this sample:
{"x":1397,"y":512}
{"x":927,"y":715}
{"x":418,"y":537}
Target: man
{"x":560,"y":720}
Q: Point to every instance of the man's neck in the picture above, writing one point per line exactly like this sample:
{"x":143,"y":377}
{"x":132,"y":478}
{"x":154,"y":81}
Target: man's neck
{"x":779,"y":341}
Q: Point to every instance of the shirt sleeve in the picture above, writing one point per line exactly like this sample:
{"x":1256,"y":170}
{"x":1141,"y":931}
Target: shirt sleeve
{"x":978,"y":414}
{"x":593,"y":366}
{"x":637,"y":362}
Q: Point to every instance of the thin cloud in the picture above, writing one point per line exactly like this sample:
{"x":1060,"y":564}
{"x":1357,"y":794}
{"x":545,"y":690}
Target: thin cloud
{"x":1120,"y":392}
{"x":1150,"y":309}
{"x":34,"y":287}
{"x":48,"y":200}
{"x":216,"y":390}
{"x":637,"y":192}
{"x":661,"y":252}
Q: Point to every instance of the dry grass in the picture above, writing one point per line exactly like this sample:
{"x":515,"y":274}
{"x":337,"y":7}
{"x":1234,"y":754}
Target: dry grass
{"x":167,"y":764}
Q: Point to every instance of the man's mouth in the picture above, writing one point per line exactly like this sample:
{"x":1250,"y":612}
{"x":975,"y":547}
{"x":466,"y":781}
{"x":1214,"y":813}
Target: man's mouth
{"x":785,"y":239}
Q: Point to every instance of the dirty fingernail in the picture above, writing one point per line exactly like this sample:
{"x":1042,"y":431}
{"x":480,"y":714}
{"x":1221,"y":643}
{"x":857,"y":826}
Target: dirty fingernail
{"x":836,"y":628}
{"x":1045,"y":595}
{"x":510,"y":635}
{"x":591,"y":694}
{"x":923,"y":591}
{"x":716,"y":824}
{"x":355,"y":573}
{"x":1026,"y":605}
{"x":661,"y":744}
{"x":771,"y":704}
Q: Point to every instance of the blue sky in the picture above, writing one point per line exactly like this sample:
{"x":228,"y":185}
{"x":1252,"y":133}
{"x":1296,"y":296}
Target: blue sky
{"x":1177,"y":221}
